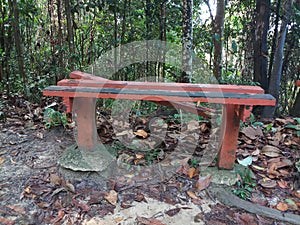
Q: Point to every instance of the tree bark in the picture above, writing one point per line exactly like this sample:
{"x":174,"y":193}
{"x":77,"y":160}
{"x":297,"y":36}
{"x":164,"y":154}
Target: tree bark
{"x":275,"y":77}
{"x":261,"y":43}
{"x":187,"y":41}
{"x":70,"y":35}
{"x":18,"y":41}
{"x":60,"y":75}
{"x":218,"y":39}
{"x":295,"y":111}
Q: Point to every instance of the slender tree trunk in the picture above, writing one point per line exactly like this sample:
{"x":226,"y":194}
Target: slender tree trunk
{"x":2,"y":39}
{"x":60,"y":41}
{"x":18,"y":41}
{"x":277,"y":68}
{"x":295,"y":111}
{"x":218,"y":39}
{"x":70,"y":35}
{"x":261,"y":43}
{"x":163,"y":38}
{"x":274,"y":38}
{"x":187,"y":41}
{"x":115,"y":41}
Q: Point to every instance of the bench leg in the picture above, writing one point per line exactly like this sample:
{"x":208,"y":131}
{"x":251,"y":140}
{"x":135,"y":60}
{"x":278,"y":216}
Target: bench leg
{"x":89,"y":154}
{"x":229,"y":135}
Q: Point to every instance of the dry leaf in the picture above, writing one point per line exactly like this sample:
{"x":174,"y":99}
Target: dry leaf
{"x":173,"y":212}
{"x":27,"y":190}
{"x":1,"y":160}
{"x":191,"y":172}
{"x":6,"y":221}
{"x":203,"y":182}
{"x":297,"y":193}
{"x":148,"y":221}
{"x":112,"y":197}
{"x":271,"y":151}
{"x":141,"y":133}
{"x":55,"y":179}
{"x":70,"y":186}
{"x":17,"y":209}
{"x":60,"y":215}
{"x":268,"y":183}
{"x":282,"y":206}
{"x":251,"y":133}
{"x":192,"y":195}
{"x":282,"y":184}
{"x":39,"y":135}
{"x":118,"y":219}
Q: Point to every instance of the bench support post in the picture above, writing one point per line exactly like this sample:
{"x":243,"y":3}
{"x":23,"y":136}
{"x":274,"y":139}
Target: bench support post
{"x":89,"y":154}
{"x":229,"y":135}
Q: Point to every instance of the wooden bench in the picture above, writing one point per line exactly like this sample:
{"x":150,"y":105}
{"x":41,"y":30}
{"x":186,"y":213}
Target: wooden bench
{"x":298,"y":83}
{"x":85,"y":88}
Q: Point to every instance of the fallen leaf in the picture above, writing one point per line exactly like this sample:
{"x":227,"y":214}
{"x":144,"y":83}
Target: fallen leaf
{"x":258,"y":167}
{"x":282,"y":206}
{"x":39,"y":135}
{"x":149,"y":221}
{"x":203,"y":182}
{"x":141,"y":133}
{"x":267,"y":183}
{"x":192,"y":195}
{"x":118,"y":219}
{"x":59,"y":216}
{"x":246,"y":161}
{"x":282,"y":184}
{"x":1,"y":160}
{"x":251,"y":133}
{"x":55,"y":179}
{"x":271,"y":151}
{"x":27,"y":190}
{"x":112,"y":197}
{"x":191,"y":172}
{"x":6,"y":221}
{"x":297,"y":193}
{"x":70,"y":186}
{"x":17,"y":209}
{"x":173,"y":212}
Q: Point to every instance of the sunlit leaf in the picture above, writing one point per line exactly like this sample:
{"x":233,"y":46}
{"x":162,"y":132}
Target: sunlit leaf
{"x":246,"y":162}
{"x":203,"y":182}
{"x":112,"y":197}
{"x":282,"y":206}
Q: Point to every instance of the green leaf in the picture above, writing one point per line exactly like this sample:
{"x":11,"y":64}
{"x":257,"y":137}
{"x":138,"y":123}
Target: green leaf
{"x":234,"y":46}
{"x":292,"y":126}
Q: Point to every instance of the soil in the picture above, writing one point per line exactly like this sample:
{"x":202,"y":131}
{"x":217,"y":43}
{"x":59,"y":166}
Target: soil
{"x":35,"y":190}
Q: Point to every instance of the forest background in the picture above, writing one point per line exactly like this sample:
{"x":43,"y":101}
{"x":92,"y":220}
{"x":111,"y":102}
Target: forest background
{"x":253,"y":42}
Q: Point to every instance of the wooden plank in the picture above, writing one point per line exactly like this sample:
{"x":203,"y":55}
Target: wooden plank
{"x":102,"y":83}
{"x":159,"y":95}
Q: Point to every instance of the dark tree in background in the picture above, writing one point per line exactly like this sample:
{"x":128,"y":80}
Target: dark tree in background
{"x":261,"y":43}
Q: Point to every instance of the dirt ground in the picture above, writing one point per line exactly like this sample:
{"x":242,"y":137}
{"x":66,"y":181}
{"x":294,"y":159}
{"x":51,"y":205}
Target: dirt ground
{"x":35,"y":190}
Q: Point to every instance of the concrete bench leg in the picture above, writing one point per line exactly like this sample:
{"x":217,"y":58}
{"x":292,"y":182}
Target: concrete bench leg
{"x":229,"y":135}
{"x":89,"y":154}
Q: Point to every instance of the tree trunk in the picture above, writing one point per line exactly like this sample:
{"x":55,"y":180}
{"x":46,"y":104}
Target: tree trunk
{"x":295,"y":111}
{"x":261,"y":43}
{"x":60,"y":75}
{"x":218,"y":39}
{"x":275,"y":77}
{"x":18,"y":41}
{"x":187,"y":41}
{"x":70,"y":36}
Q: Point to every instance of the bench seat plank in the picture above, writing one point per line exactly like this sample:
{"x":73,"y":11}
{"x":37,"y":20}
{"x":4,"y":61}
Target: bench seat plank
{"x":161,"y":95}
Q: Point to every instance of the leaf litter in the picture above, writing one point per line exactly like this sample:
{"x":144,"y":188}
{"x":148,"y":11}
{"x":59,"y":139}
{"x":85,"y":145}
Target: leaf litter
{"x":34,"y":185}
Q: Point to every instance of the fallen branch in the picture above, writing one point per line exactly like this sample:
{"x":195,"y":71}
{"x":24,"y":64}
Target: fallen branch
{"x":230,"y":199}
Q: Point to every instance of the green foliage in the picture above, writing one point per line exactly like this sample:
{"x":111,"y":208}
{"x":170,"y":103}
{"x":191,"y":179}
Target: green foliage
{"x":246,"y":184}
{"x":294,"y":127}
{"x":53,"y":118}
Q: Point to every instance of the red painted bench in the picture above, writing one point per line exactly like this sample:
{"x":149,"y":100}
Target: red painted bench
{"x":298,"y":83}
{"x":237,"y":103}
